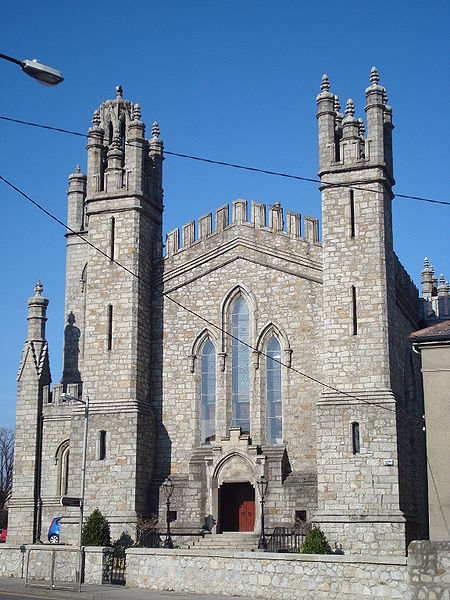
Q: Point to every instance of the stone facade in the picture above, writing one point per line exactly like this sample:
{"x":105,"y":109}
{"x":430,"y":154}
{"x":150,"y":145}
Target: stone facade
{"x":330,"y":416}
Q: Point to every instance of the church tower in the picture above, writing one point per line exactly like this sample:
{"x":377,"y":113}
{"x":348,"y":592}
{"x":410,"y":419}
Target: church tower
{"x":358,"y":467}
{"x":117,"y":208}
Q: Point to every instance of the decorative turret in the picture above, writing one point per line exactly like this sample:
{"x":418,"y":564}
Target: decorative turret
{"x":37,"y":309}
{"x":377,"y":115}
{"x":326,"y":117}
{"x":75,"y":200}
{"x":427,"y":279}
{"x":156,"y":154}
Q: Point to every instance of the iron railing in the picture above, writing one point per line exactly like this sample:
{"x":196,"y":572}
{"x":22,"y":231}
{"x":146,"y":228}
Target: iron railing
{"x":285,"y":539}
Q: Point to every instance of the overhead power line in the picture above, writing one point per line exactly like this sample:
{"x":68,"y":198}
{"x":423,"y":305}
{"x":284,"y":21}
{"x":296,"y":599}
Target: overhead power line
{"x":186,"y":308}
{"x":236,"y":165}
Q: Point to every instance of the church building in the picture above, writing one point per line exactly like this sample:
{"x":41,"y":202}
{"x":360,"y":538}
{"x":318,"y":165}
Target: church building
{"x":249,"y":346}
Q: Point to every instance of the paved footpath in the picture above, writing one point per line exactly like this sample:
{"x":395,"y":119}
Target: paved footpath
{"x":14,"y":589}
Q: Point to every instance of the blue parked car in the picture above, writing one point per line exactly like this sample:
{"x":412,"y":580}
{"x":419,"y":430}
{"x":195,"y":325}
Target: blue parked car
{"x":54,"y":530}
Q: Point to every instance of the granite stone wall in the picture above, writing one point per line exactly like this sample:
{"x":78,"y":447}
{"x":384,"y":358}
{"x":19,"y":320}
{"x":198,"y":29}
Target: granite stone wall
{"x":424,"y":574}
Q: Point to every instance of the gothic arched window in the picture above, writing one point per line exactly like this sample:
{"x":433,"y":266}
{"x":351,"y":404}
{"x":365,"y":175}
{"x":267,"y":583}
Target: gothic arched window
{"x":208,"y":402}
{"x":241,"y":366}
{"x":273,"y":391}
{"x":62,"y":460}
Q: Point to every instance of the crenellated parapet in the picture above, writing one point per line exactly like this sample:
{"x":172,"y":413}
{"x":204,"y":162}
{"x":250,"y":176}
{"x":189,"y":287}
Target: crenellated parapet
{"x":343,"y":141}
{"x":277,"y":221}
{"x":435,"y":295}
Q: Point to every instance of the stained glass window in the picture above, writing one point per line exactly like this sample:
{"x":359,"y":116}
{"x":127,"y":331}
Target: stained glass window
{"x":273,"y":385}
{"x":241,"y":366}
{"x":208,"y":407}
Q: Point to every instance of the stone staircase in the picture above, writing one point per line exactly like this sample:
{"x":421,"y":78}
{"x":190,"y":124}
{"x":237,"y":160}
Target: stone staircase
{"x":229,"y":540}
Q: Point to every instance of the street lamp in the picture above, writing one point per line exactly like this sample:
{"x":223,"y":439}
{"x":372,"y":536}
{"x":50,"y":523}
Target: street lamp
{"x":262,"y":484}
{"x":168,"y":491}
{"x":42,"y":73}
{"x":65,"y":398}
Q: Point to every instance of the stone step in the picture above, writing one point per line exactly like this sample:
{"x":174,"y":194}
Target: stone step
{"x":228,"y":541}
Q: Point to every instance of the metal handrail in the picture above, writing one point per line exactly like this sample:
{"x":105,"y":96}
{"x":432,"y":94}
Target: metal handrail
{"x":51,"y":584}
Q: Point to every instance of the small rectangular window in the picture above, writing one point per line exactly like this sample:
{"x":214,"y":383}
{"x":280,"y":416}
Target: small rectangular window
{"x":354,"y":315}
{"x":109,"y":327}
{"x":102,"y":445}
{"x":352,"y":214}
{"x":112,"y":238}
{"x":355,"y":438}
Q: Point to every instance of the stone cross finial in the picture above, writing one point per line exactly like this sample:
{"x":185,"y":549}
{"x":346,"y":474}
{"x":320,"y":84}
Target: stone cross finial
{"x":136,"y":112}
{"x":119,"y":92}
{"x":350,"y":108}
{"x":96,"y":119}
{"x":77,"y":169}
{"x":38,"y":289}
{"x":374,"y":78}
{"x":337,"y":104}
{"x":361,"y":128}
{"x":325,"y":85}
{"x":155,"y":130}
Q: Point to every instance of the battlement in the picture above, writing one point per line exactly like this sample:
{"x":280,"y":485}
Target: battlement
{"x":435,"y":296}
{"x":342,"y":138}
{"x":52,"y":397}
{"x":290,"y":228}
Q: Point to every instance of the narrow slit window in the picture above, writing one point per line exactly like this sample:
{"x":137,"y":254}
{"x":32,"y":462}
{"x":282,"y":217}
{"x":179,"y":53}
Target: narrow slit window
{"x":354,"y":315}
{"x":352,"y":214}
{"x":102,"y":445}
{"x":112,"y":237}
{"x":110,"y":327}
{"x":355,"y":438}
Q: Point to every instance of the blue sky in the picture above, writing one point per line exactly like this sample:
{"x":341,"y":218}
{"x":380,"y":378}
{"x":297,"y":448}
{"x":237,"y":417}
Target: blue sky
{"x":230,"y":80}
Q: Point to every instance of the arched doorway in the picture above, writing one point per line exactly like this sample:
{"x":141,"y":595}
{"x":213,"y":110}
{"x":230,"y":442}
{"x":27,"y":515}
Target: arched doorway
{"x":236,"y":507}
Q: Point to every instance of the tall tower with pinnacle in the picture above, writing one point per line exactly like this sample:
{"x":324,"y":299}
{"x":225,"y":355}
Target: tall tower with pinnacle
{"x":121,"y":216}
{"x":359,"y":487}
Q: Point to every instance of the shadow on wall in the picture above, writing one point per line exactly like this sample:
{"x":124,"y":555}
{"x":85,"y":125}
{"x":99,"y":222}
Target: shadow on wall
{"x":71,"y":373}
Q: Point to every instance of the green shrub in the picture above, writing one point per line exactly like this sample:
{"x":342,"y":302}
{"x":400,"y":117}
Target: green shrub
{"x":316,"y":542}
{"x":96,"y":530}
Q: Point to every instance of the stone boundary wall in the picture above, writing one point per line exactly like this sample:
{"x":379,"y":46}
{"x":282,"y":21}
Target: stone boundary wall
{"x":425,"y":574}
{"x":13,"y":562}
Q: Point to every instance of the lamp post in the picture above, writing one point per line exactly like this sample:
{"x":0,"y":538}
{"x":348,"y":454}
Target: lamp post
{"x":85,"y":402}
{"x":42,"y":73}
{"x":262,"y":484}
{"x":168,"y":491}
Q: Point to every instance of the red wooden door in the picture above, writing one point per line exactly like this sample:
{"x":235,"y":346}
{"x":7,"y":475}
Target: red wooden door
{"x":247,"y":515}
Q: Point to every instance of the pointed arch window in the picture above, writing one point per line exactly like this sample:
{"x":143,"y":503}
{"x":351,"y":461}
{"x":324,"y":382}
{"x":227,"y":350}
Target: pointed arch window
{"x":241,"y":365}
{"x":62,"y":460}
{"x":208,"y":401}
{"x":273,"y":389}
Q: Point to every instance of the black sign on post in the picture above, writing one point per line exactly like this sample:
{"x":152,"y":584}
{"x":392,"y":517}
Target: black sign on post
{"x":70,"y":501}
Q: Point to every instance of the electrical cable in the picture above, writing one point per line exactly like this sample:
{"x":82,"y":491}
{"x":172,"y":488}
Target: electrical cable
{"x":238,"y":166}
{"x":182,"y":306}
